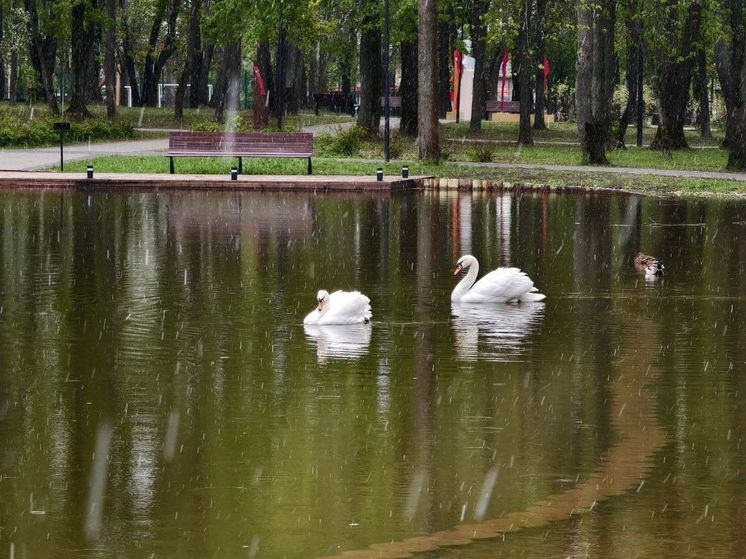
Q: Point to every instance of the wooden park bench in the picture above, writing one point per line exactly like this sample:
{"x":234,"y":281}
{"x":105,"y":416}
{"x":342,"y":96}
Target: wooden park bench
{"x":336,"y":102}
{"x":502,"y":107}
{"x":240,"y":144}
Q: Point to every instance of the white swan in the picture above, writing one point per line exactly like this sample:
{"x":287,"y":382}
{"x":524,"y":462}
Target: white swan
{"x":503,"y":285}
{"x":340,"y":307}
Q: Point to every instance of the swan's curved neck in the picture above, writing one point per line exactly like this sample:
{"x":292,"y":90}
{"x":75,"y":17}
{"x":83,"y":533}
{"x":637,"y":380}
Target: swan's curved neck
{"x":466,"y":282}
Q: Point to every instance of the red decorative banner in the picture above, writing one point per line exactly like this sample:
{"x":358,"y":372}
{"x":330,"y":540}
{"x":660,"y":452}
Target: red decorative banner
{"x":504,"y":69}
{"x":259,"y":80}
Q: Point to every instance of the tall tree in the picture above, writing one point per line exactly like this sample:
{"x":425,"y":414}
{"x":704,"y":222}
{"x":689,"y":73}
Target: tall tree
{"x":540,"y":49}
{"x":2,"y":51}
{"x":82,"y":49}
{"x":228,"y":85}
{"x":444,"y":64}
{"x":701,"y":93}
{"x":595,"y":75}
{"x":674,"y":63}
{"x":730,"y":56}
{"x":479,"y":52}
{"x":428,"y":140}
{"x":524,"y":76}
{"x":159,"y":49}
{"x":371,"y":71}
{"x":43,"y":51}
{"x":408,"y":87}
{"x":110,"y":59}
{"x":199,"y":55}
{"x":633,"y":39}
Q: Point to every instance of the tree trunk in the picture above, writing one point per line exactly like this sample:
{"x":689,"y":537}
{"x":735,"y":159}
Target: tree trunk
{"x":322,"y":83}
{"x":13,"y":78}
{"x":155,"y":60}
{"x":733,"y":83}
{"x":228,"y":87}
{"x":524,"y":95}
{"x":194,"y":57}
{"x":539,"y":123}
{"x":444,"y":65}
{"x":43,"y":54}
{"x":428,"y":141}
{"x":595,"y":74}
{"x":2,"y":58}
{"x":408,"y":88}
{"x":264,"y":63}
{"x":294,"y":76}
{"x":181,"y":95}
{"x":478,"y":44}
{"x":313,"y":71}
{"x":701,"y":94}
{"x":671,"y":85}
{"x":80,"y":47}
{"x":633,"y":28}
{"x":128,"y":60}
{"x":109,"y":59}
{"x":371,"y":73}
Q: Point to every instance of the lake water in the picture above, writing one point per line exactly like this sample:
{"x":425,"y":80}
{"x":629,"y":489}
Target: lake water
{"x":160,"y":397}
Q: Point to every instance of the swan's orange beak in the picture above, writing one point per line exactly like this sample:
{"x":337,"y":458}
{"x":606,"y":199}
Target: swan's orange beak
{"x":320,"y":306}
{"x":458,"y":269}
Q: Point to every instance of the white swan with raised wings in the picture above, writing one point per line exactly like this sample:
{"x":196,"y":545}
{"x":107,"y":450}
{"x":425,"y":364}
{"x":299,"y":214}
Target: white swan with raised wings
{"x":504,"y":285}
{"x":340,"y":307}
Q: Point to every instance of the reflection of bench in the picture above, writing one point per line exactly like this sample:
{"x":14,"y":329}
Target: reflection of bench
{"x":502,"y":107}
{"x":394,"y":103}
{"x":240,"y":144}
{"x":336,"y":102}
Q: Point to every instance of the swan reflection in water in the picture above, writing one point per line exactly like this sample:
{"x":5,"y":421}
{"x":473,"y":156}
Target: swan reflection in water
{"x":349,"y":341}
{"x":502,"y":329}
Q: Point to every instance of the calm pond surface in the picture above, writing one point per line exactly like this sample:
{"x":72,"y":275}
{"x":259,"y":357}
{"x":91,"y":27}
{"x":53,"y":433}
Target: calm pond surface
{"x":160,"y":397}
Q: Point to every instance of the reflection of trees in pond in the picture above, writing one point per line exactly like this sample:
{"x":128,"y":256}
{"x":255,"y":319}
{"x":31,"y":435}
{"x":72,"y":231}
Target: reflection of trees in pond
{"x":502,"y":328}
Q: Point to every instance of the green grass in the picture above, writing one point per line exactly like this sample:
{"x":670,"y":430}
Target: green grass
{"x":360,"y":167}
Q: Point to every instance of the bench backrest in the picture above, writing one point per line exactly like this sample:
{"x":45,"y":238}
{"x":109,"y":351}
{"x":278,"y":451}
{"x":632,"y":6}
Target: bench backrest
{"x":502,"y":106}
{"x":335,"y":99}
{"x":269,"y":143}
{"x":394,"y":102}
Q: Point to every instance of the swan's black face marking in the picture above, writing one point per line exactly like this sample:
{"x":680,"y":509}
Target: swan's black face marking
{"x":459,"y":267}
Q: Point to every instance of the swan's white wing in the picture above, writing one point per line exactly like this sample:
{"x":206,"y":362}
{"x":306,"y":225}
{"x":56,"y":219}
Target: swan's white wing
{"x":312,"y":317}
{"x":347,"y":307}
{"x":501,"y":285}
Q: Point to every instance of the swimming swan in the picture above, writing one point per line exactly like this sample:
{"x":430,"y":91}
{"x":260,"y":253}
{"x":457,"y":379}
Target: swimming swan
{"x":340,"y":307}
{"x":503,"y":285}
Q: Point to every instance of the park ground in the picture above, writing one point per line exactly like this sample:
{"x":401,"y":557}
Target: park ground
{"x":136,"y":142}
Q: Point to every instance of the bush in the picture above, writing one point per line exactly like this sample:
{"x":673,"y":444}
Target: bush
{"x":482,"y":153}
{"x":347,"y":142}
{"x":18,"y":130}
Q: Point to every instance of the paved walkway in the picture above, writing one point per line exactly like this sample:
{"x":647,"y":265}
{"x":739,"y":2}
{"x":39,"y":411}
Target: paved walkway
{"x":45,"y":158}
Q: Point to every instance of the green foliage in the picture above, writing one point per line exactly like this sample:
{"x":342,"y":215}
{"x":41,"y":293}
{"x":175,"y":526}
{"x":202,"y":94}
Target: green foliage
{"x":481,"y":153}
{"x":346,"y":143}
{"x":17,"y":131}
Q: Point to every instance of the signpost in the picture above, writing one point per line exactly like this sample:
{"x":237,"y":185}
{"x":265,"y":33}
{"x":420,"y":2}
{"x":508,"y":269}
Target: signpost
{"x":62,"y":127}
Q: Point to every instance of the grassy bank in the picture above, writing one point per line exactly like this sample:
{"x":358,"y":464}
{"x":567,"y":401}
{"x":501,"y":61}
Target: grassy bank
{"x":448,"y":169}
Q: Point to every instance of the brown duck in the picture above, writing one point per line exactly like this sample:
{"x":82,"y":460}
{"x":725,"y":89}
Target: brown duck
{"x":649,"y":264}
